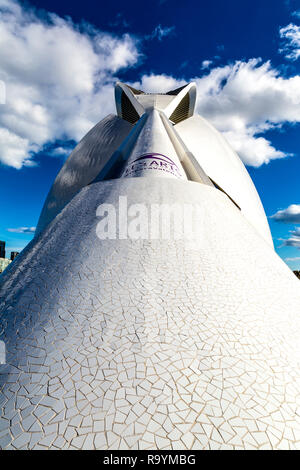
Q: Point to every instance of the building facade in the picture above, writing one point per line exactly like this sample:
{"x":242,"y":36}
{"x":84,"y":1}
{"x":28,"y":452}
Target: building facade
{"x":13,"y":255}
{"x":4,"y":262}
{"x":144,"y":336}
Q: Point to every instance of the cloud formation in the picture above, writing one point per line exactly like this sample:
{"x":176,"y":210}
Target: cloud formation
{"x":158,"y":83}
{"x":22,"y":230}
{"x":58,"y":78}
{"x":292,"y":241}
{"x":290,"y":215}
{"x":206,"y":64}
{"x":291,"y":40}
{"x":296,"y":13}
{"x":246,"y":99}
{"x":160,"y":32}
{"x":296,"y":232}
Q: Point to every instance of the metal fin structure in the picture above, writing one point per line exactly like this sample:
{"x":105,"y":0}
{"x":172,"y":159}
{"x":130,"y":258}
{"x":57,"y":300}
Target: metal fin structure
{"x":153,"y":154}
{"x":177,"y":105}
{"x":183,"y":105}
{"x":128,"y":107}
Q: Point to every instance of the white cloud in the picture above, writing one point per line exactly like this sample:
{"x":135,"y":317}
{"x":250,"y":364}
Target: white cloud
{"x":253,"y":150}
{"x":296,"y":258}
{"x":22,"y":230}
{"x":244,"y":100}
{"x":158,"y":83}
{"x":296,"y":13}
{"x":160,"y":32}
{"x":60,"y":151}
{"x":293,"y":241}
{"x":206,"y":64}
{"x":14,"y":150}
{"x":290,"y":215}
{"x":58,"y":76}
{"x":291,"y":41}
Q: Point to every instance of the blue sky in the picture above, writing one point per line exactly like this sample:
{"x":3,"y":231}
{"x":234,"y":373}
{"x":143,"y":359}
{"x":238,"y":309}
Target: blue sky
{"x":59,"y":62}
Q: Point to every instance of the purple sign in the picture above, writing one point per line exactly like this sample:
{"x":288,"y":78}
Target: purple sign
{"x":152,"y":161}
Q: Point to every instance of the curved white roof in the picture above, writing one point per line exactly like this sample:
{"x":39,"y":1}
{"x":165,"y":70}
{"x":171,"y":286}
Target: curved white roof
{"x":222,"y":165}
{"x":83,"y":165}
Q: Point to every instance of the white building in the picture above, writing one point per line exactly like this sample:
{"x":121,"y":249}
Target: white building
{"x":120,"y":339}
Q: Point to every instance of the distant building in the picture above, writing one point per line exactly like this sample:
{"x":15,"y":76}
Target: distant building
{"x":4,"y":262}
{"x":13,"y":255}
{"x":2,"y":249}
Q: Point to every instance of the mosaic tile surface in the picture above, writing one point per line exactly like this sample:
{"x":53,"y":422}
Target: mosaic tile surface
{"x":148,"y":344}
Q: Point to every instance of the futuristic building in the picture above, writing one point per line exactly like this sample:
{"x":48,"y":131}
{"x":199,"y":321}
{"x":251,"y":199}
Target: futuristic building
{"x":119,"y":337}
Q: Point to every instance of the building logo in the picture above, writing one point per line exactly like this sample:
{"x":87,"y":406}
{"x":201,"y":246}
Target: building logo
{"x":153,"y":161}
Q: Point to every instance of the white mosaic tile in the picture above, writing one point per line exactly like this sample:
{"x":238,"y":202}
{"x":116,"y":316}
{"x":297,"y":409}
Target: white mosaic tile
{"x":138,"y":344}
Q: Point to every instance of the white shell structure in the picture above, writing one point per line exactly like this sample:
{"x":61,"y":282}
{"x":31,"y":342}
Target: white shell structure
{"x":151,"y":341}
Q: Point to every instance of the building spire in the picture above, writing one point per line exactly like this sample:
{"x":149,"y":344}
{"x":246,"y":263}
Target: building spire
{"x":177,"y":105}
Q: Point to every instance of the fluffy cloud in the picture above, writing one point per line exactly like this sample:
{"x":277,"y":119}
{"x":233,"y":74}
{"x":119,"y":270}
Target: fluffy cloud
{"x":292,"y":241}
{"x":291,"y":40}
{"x":253,"y":150}
{"x":158,"y":83}
{"x":58,"y":77}
{"x":22,"y":230}
{"x":290,"y":215}
{"x":296,"y":232}
{"x":206,"y":64}
{"x":246,"y":99}
{"x":60,"y":151}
